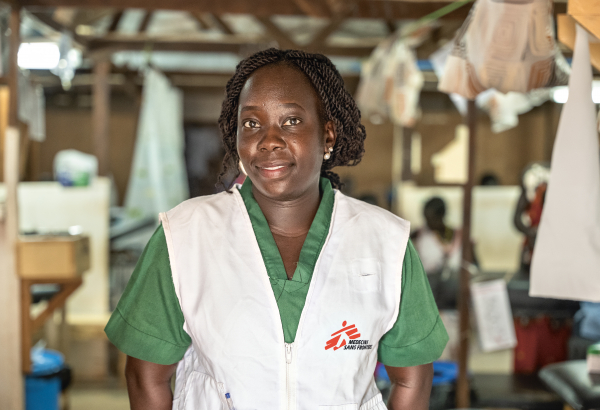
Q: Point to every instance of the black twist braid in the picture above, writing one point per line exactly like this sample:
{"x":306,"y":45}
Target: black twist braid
{"x":337,"y":106}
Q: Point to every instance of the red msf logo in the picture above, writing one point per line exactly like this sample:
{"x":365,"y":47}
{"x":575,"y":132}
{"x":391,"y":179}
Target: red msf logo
{"x":347,"y":332}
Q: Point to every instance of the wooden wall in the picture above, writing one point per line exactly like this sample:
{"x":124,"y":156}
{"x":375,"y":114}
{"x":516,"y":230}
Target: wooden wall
{"x":504,"y":154}
{"x":69,"y":126}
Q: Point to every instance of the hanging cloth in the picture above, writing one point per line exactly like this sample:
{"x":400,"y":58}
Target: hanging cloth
{"x":566,"y":256}
{"x":505,"y":45}
{"x":158,"y":180}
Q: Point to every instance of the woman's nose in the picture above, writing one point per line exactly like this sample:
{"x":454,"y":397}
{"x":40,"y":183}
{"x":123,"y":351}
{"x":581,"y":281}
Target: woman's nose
{"x":271,"y":139}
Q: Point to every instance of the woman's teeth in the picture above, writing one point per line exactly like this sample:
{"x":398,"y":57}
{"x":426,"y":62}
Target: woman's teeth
{"x":273,"y":168}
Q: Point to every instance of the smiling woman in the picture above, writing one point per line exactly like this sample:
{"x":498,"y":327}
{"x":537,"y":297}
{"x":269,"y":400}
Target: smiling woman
{"x":315,"y":77}
{"x":282,"y":293}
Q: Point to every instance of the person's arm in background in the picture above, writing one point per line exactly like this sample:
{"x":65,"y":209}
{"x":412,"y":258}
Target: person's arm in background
{"x":411,"y":387}
{"x":149,"y":384}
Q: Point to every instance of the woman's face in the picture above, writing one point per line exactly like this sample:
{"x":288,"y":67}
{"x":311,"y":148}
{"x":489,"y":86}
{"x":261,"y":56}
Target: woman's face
{"x":280,"y":137}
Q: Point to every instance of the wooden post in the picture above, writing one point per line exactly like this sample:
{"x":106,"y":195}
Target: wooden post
{"x":11,"y":376}
{"x":101,"y":115}
{"x":463,"y":399}
{"x":407,"y":174}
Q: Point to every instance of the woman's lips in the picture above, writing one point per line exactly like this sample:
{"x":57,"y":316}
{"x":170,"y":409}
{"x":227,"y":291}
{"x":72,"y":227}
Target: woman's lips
{"x":272,"y":170}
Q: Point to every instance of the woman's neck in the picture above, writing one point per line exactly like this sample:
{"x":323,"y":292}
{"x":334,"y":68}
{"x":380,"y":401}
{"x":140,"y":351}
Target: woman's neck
{"x":292,"y":217}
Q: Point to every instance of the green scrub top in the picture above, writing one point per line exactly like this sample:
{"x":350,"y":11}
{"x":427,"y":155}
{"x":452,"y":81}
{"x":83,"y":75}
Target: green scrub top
{"x":148,"y":322}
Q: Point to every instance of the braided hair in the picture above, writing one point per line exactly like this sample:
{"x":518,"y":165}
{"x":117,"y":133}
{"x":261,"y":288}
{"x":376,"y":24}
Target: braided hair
{"x":337,"y":105}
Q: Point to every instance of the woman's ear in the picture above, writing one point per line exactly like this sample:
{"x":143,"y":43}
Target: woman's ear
{"x":330,"y":134}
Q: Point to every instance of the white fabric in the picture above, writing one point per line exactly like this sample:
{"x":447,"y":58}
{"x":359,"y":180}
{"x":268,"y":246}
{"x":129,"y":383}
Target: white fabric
{"x":436,"y":255}
{"x":504,"y":45}
{"x":390,"y":84}
{"x":503,"y":109}
{"x":32,"y":108}
{"x":232,"y":317}
{"x":158,"y":179}
{"x":566,"y":257}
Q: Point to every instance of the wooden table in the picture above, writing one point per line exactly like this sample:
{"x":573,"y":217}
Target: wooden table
{"x":30,"y":325}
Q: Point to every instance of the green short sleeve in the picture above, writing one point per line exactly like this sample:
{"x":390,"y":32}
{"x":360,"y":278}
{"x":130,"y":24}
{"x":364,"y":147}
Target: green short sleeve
{"x":148,"y":322}
{"x":418,"y":336}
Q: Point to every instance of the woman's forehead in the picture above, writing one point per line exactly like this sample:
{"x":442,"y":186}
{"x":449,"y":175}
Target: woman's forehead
{"x":277,"y":81}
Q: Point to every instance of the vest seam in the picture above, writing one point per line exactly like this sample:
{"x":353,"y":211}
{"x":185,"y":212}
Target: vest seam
{"x":336,"y":198}
{"x":239,"y":200}
{"x":437,"y":320}
{"x":147,"y":334}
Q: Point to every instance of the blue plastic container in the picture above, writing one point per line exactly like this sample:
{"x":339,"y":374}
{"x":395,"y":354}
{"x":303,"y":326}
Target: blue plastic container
{"x":43,"y":385}
{"x":444,"y":373}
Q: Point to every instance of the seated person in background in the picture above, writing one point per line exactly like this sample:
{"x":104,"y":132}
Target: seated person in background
{"x":438,"y":245}
{"x":440,"y":248}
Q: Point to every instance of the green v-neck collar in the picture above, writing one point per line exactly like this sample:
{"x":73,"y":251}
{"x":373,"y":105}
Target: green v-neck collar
{"x":315,"y":239}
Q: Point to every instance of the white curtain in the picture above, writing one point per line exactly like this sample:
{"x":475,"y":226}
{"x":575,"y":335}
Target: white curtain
{"x":566,"y":258}
{"x":158,"y":179}
{"x":32,"y":108}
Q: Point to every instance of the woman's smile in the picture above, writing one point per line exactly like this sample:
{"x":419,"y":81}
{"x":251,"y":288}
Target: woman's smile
{"x":273,"y":170}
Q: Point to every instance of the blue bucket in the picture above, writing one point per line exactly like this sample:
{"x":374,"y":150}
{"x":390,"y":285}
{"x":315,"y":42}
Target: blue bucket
{"x":43,"y":384}
{"x":444,"y":373}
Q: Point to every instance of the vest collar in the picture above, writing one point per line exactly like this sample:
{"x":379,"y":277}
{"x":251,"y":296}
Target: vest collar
{"x":311,"y":248}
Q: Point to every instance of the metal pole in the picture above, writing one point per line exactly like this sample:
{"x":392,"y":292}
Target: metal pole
{"x":463,"y":399}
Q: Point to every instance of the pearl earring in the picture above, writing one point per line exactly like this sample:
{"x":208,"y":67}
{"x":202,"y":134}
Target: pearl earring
{"x":328,"y":154}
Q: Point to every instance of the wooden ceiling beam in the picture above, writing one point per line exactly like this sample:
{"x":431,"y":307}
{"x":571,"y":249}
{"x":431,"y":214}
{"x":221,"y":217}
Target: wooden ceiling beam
{"x":145,"y":22}
{"x":202,"y":20}
{"x":231,"y":44}
{"x":54,"y":25}
{"x":311,"y":8}
{"x":114,"y":24}
{"x":273,"y":30}
{"x":335,"y":23}
{"x":319,"y":40}
{"x":388,"y":9}
{"x":222,"y":24}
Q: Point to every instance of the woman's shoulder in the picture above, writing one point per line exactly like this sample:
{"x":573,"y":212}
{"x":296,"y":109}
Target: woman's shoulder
{"x":205,"y":202}
{"x":355,"y":208}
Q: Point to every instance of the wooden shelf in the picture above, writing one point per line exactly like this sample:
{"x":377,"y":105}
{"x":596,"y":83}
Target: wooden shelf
{"x":587,"y":14}
{"x":566,"y":35}
{"x":29,"y":324}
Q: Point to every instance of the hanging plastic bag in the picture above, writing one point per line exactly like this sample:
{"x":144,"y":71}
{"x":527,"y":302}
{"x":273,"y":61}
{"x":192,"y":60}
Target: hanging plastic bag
{"x":391,"y":81}
{"x":503,"y":109}
{"x":505,"y":45}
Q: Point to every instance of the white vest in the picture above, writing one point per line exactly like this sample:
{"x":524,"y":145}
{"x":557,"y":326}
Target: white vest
{"x":238,"y":357}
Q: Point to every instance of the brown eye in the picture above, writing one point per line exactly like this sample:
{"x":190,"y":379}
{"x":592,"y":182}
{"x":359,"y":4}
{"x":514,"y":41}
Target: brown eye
{"x":292,"y":121}
{"x":249,"y":124}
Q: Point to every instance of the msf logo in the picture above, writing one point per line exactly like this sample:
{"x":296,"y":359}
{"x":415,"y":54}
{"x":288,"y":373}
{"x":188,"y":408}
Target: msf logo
{"x":346,"y":334}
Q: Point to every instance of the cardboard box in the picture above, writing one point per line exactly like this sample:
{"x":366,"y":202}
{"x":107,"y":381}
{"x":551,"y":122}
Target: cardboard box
{"x":53,"y":257}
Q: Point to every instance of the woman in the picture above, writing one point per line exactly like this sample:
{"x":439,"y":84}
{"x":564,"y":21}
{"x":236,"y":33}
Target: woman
{"x":281,"y":293}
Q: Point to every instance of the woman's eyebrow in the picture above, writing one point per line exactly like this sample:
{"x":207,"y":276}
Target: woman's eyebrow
{"x":249,"y":108}
{"x":256,"y":107}
{"x":293,"y":105}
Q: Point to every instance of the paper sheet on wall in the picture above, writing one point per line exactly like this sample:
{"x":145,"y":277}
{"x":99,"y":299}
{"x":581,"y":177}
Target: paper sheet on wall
{"x":493,"y":314}
{"x":566,"y":257}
